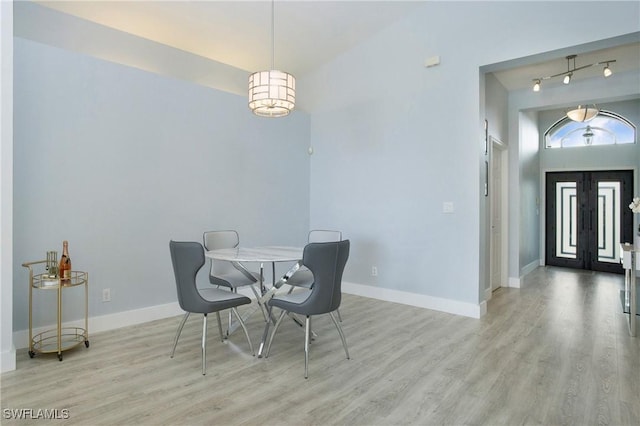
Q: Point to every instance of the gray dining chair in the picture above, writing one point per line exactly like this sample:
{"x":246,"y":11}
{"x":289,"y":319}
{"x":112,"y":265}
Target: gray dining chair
{"x":326,"y":261}
{"x":187,"y":259}
{"x":227,"y":274}
{"x":303,"y":278}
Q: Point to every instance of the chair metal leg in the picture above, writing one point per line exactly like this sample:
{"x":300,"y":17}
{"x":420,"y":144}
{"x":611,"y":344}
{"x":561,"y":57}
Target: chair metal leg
{"x":299,"y":322}
{"x":344,"y":341}
{"x":273,"y":333}
{"x":175,"y":341}
{"x":273,"y":273}
{"x":307,"y":328}
{"x":263,"y":308}
{"x":230,"y":325}
{"x":220,"y":326}
{"x":339,"y":316}
{"x":204,"y":344}
{"x":244,"y":327}
{"x":265,"y":333}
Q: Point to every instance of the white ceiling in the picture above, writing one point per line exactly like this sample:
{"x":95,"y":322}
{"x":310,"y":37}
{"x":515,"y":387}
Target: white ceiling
{"x":308,"y":33}
{"x":238,"y":33}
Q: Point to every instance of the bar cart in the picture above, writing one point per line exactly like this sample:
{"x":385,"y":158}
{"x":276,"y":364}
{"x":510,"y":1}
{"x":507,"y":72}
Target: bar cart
{"x":61,"y":338}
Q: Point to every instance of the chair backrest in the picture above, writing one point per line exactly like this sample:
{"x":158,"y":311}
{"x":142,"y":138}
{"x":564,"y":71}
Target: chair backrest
{"x":187,"y":259}
{"x":326,"y":261}
{"x":323,"y":236}
{"x":218,"y":240}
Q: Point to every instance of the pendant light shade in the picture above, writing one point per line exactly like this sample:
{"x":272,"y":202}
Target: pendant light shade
{"x":272,"y":93}
{"x":583,"y":113}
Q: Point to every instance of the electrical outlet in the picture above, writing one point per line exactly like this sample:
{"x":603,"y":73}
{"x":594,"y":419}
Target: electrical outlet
{"x":106,"y":295}
{"x":374,"y":271}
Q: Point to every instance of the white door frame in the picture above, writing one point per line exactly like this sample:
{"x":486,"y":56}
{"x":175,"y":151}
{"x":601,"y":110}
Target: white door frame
{"x":499,"y":152}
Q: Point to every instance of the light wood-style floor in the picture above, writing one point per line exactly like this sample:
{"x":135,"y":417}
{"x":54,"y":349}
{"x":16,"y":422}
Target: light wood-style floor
{"x":555,"y":352}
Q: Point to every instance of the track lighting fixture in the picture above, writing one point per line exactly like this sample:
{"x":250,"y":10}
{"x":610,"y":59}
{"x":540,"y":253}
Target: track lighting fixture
{"x":571,"y":68}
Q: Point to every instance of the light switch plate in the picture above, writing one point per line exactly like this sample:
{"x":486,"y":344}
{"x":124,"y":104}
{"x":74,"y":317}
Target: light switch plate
{"x":432,"y":61}
{"x":447,"y":207}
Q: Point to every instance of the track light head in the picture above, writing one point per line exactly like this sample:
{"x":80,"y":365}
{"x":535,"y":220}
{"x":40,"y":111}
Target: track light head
{"x":607,"y":71}
{"x":536,"y":85}
{"x":567,"y":78}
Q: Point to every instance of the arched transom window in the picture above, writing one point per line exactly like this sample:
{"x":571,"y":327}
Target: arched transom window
{"x":607,"y":128}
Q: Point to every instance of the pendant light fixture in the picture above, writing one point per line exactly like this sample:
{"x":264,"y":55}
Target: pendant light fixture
{"x":272,"y":93}
{"x":583,"y":113}
{"x":588,"y":136}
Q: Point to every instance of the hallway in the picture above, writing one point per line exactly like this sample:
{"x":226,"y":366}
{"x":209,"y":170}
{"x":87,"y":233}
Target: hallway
{"x":573,"y":339}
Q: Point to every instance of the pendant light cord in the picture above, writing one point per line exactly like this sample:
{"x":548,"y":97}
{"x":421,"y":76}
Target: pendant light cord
{"x":272,"y":34}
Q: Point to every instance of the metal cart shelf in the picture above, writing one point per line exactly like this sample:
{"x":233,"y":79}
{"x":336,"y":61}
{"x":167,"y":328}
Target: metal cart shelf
{"x":61,"y":338}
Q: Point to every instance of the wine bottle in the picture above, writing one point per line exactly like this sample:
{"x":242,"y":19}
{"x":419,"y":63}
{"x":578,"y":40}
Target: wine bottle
{"x":64,"y":270}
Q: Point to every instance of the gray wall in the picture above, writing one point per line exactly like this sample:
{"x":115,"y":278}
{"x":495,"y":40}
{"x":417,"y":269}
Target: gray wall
{"x":496,"y":111}
{"x":7,"y":348}
{"x":529,"y":178}
{"x":119,"y":161}
{"x":394,"y":140}
{"x":497,"y":105}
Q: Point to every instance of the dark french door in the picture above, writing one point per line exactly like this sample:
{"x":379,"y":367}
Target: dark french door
{"x":587,"y":218}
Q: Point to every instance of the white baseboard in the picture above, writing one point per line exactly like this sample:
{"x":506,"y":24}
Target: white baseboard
{"x":488,"y":294}
{"x":529,"y":268}
{"x":8,"y":360}
{"x":113,"y":321}
{"x":514,"y":282}
{"x":413,"y":299}
{"x":517,"y":282}
{"x":483,"y":308}
{"x":107,"y":322}
{"x":152,"y":313}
